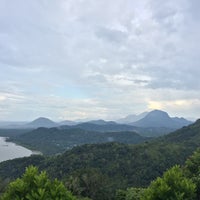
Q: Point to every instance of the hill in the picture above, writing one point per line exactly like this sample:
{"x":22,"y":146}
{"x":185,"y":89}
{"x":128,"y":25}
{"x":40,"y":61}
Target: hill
{"x":158,"y":118}
{"x":67,"y":123}
{"x":56,"y":140}
{"x":102,"y":122}
{"x":41,"y":122}
{"x":189,"y":135}
{"x":104,"y":126}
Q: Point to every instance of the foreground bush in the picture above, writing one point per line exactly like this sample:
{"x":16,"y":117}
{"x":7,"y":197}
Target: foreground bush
{"x":172,"y":186}
{"x":36,"y":186}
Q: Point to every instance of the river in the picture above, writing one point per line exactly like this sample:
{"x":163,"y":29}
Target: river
{"x":9,"y":150}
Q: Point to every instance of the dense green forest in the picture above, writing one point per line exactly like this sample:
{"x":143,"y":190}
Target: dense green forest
{"x":177,"y":183}
{"x":120,"y":166}
{"x":55,"y":140}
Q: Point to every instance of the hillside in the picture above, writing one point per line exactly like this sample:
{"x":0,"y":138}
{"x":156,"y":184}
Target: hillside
{"x":138,"y":163}
{"x":114,"y":127}
{"x":121,"y":165}
{"x":189,"y":135}
{"x":104,"y":127}
{"x":56,"y":140}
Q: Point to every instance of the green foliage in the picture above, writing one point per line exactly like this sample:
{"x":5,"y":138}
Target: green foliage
{"x":36,"y":186}
{"x":192,"y":164}
{"x":120,"y":195}
{"x":134,"y":193}
{"x":3,"y":185}
{"x":89,"y":183}
{"x":192,"y":169}
{"x":15,"y":168}
{"x":172,"y":186}
{"x":130,"y":194}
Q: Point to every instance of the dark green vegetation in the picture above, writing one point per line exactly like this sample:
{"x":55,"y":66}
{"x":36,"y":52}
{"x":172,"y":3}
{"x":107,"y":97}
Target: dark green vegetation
{"x":175,"y":184}
{"x":55,"y":140}
{"x":120,"y":166}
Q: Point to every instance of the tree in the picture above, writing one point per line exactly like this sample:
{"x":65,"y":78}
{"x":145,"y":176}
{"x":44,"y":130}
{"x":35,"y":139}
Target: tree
{"x":130,"y":194}
{"x":90,"y":183}
{"x":192,"y":169}
{"x":36,"y":186}
{"x":173,"y":185}
{"x":134,"y":193}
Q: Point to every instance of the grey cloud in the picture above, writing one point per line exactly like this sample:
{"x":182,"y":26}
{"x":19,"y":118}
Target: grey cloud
{"x":111,"y":35}
{"x":193,"y":9}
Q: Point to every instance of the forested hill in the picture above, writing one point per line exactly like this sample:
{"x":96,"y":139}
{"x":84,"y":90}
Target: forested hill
{"x":137,"y":164}
{"x":55,"y":140}
{"x":114,"y":127}
{"x":120,"y":165}
{"x":186,"y":135}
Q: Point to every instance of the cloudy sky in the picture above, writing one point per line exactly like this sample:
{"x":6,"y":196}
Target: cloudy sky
{"x":74,"y":59}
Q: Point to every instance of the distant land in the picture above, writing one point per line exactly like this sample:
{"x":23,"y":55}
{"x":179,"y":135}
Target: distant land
{"x":153,"y":119}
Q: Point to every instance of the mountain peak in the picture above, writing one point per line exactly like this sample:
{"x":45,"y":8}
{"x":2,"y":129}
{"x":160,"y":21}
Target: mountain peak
{"x":159,"y":118}
{"x":157,"y":113}
{"x":42,"y":119}
{"x":42,"y":122}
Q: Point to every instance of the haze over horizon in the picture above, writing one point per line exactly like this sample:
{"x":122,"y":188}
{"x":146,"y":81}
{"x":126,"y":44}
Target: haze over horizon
{"x":98,"y":59}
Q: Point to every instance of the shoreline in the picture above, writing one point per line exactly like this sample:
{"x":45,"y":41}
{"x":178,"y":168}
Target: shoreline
{"x":30,"y":148}
{"x":10,"y":150}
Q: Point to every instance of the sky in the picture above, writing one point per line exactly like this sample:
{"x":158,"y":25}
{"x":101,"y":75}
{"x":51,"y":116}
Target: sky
{"x":77,"y":59}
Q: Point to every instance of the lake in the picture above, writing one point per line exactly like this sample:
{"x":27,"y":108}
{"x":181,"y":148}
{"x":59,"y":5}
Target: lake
{"x":9,"y":150}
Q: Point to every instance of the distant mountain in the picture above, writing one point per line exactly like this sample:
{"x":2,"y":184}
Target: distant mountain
{"x":114,"y":127}
{"x":41,"y":122}
{"x":68,"y":123}
{"x":12,"y":124}
{"x":101,"y":122}
{"x":103,"y":126}
{"x":131,"y":118}
{"x":158,"y":118}
{"x":181,"y":120}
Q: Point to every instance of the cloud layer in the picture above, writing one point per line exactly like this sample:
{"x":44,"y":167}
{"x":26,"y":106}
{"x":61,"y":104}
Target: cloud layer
{"x":98,"y":59}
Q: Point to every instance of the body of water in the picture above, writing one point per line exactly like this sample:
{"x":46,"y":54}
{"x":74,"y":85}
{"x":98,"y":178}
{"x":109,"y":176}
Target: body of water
{"x":9,"y":150}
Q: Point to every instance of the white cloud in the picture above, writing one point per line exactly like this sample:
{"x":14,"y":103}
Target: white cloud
{"x":126,"y":55}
